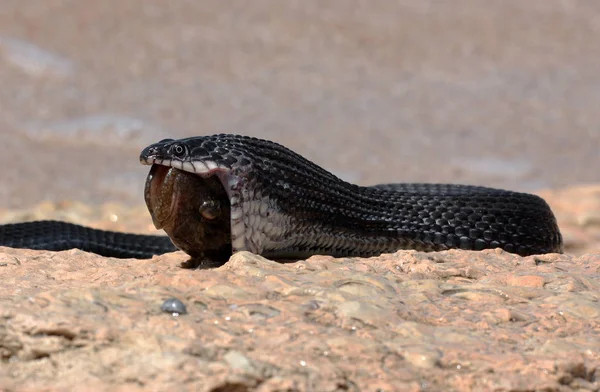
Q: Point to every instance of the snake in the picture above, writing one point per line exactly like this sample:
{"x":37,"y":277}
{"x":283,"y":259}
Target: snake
{"x":221,"y":194}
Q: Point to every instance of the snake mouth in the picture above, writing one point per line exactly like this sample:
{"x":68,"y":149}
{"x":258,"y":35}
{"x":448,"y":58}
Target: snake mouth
{"x":206,"y":169}
{"x":193,"y":210}
{"x":199,"y":167}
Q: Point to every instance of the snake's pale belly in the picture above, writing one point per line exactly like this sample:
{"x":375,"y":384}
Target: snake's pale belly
{"x":266,"y":199}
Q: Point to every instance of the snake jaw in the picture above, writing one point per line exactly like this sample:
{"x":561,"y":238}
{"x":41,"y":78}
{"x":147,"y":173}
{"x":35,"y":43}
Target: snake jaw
{"x":157,"y":154}
{"x":193,"y":210}
{"x":231,"y":184}
{"x":177,"y":154}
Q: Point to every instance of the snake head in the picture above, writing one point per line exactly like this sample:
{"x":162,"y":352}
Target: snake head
{"x":247,"y":168}
{"x":165,"y":150}
{"x":172,"y":197}
{"x":200,"y":155}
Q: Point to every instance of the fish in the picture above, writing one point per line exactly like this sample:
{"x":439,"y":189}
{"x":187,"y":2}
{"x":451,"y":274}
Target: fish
{"x":193,"y":210}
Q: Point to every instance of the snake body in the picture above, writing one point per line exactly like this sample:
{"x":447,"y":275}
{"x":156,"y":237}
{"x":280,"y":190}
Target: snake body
{"x":56,"y":236}
{"x":281,"y":205}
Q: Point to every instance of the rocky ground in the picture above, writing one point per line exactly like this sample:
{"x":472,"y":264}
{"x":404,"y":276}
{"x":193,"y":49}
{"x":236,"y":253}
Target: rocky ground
{"x":452,"y":320}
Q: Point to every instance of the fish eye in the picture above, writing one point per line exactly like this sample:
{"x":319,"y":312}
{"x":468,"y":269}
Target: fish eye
{"x":178,"y":150}
{"x":210,"y":210}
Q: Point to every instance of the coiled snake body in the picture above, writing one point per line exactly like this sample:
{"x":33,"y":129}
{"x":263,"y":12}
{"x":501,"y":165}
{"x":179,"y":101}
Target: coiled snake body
{"x":219,"y":194}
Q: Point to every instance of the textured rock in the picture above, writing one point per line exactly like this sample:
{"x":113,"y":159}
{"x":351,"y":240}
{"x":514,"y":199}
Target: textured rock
{"x":406,"y":321}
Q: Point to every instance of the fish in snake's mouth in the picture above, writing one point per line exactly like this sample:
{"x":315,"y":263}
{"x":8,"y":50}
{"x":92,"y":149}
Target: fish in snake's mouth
{"x":214,"y":169}
{"x":193,"y":210}
{"x":156,"y":195}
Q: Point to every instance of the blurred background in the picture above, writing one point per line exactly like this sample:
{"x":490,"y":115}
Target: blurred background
{"x":503,"y":94}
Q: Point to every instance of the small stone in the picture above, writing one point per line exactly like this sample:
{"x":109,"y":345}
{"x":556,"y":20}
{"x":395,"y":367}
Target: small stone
{"x":174,"y":306}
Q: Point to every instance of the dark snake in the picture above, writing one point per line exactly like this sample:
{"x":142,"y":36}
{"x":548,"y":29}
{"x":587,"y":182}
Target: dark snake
{"x":221,"y":194}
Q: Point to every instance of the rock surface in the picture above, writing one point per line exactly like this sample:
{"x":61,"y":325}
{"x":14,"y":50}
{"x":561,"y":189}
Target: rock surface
{"x":454,"y":320}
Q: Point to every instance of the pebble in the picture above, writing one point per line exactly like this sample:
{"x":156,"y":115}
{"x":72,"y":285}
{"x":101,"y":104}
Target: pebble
{"x":174,"y":306}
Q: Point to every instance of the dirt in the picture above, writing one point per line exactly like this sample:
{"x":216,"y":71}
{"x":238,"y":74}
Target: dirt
{"x":454,"y":320}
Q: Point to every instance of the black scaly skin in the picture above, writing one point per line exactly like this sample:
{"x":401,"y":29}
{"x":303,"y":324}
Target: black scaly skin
{"x":55,"y":235}
{"x":311,"y":211}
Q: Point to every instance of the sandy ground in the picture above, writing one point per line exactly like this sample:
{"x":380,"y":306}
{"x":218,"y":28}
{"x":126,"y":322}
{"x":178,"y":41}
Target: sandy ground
{"x":494,"y":93}
{"x":455,"y":320}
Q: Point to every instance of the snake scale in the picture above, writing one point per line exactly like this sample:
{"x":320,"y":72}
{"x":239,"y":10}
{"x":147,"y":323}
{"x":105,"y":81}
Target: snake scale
{"x":220,"y":194}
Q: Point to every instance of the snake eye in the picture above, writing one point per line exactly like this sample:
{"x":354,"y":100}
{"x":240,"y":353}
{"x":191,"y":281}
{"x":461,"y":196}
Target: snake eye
{"x":178,"y":150}
{"x":210,"y":210}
